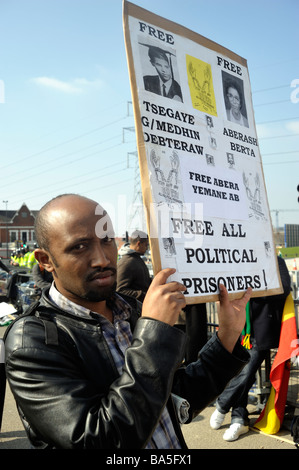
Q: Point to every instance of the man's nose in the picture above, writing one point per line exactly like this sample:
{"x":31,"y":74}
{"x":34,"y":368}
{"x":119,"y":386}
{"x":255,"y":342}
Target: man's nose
{"x":99,"y":256}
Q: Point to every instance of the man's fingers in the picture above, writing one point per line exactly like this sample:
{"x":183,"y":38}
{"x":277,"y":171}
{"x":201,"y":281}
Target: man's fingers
{"x":247,"y":295}
{"x":162,"y":276}
{"x":161,"y":279}
{"x":175,"y":286}
{"x":223,"y":294}
{"x":164,"y":300}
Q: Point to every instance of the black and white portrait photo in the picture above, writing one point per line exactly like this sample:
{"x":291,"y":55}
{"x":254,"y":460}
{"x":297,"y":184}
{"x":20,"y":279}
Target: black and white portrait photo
{"x":158,"y":78}
{"x":233,"y":92}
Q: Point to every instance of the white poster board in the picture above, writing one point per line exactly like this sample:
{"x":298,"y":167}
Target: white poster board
{"x":201,"y":171}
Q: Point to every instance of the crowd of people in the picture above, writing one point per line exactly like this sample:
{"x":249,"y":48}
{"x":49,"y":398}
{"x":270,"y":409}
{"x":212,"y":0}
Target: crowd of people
{"x":23,"y":257}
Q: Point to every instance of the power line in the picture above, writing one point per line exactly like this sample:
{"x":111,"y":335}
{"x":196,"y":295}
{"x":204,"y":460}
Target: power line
{"x":276,"y":63}
{"x":279,"y":153}
{"x":71,"y":123}
{"x":272,"y":102}
{"x":86,"y":192}
{"x":281,"y":163}
{"x":271,"y":89}
{"x":70,"y":185}
{"x":64,"y":142}
{"x":278,"y":136}
{"x":278,"y":120}
{"x":65,"y":163}
{"x":79,"y":176}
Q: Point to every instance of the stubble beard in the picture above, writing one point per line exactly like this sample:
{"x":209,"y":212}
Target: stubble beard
{"x":101,"y":294}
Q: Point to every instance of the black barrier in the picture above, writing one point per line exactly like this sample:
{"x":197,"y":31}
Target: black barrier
{"x":2,"y":380}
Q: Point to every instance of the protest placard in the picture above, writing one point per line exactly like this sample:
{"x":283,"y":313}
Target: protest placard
{"x":200,"y":164}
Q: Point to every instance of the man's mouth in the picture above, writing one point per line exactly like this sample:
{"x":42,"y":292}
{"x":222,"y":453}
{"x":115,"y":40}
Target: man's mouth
{"x":103,"y":277}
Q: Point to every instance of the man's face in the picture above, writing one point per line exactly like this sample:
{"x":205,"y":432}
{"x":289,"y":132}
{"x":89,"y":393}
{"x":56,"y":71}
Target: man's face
{"x":140,"y":246}
{"x":82,"y":254}
{"x":143,"y":247}
{"x":163,"y":69}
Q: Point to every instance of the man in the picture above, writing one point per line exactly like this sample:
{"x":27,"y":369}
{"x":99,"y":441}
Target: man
{"x":163,"y":83}
{"x":86,"y":370}
{"x":31,"y":258}
{"x":41,"y":277}
{"x":132,"y":273}
{"x":26,"y":256}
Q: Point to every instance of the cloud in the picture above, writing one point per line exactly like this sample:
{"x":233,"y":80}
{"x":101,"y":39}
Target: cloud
{"x":293,"y":126}
{"x":263,"y":131}
{"x":66,"y":87}
{"x":75,"y":86}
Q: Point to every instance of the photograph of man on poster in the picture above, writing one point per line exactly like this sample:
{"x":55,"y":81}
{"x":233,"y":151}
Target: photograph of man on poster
{"x":162,"y":83}
{"x":234,"y":99}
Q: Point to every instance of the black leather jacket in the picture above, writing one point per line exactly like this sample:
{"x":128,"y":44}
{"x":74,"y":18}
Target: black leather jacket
{"x":70,"y":395}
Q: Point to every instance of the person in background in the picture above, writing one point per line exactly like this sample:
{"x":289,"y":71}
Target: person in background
{"x":26,"y":256}
{"x":31,"y":261}
{"x":132,"y":273}
{"x":265,"y":323}
{"x":41,"y":277}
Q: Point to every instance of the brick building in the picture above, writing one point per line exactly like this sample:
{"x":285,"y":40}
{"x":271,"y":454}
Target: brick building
{"x":16,"y":227}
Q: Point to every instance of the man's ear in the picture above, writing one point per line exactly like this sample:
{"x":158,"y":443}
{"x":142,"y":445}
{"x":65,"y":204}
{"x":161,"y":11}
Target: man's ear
{"x":137,"y":246}
{"x":44,"y":259}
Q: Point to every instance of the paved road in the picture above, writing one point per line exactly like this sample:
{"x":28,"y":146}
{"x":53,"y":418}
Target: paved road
{"x":198,"y":434}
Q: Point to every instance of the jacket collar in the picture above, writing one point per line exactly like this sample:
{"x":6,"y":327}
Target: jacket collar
{"x":133,"y":305}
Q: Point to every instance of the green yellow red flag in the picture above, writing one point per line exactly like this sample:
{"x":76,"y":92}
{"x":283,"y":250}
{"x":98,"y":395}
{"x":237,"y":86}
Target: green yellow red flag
{"x":272,"y":415}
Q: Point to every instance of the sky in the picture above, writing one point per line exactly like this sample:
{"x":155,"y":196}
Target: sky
{"x":66,"y":118}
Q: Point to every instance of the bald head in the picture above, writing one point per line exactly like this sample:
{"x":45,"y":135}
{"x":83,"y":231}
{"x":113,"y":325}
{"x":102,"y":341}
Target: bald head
{"x":60,"y":209}
{"x":77,"y":246}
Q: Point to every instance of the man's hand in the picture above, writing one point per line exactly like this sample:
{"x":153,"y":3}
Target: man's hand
{"x":164,"y":301}
{"x":232,"y":317}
